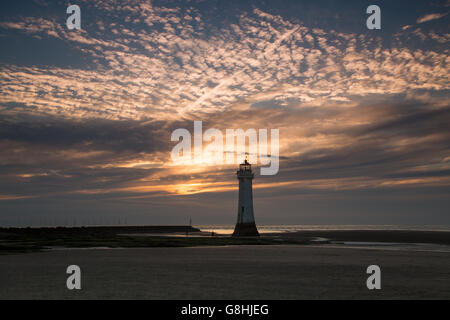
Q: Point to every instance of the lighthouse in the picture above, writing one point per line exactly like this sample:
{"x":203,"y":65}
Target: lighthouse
{"x":245,"y":225}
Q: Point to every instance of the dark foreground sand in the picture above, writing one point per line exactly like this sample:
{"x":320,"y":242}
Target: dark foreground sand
{"x":237,"y":272}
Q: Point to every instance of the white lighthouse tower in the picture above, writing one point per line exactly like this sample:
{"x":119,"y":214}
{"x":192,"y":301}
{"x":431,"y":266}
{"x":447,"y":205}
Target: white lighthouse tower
{"x":245,"y":225}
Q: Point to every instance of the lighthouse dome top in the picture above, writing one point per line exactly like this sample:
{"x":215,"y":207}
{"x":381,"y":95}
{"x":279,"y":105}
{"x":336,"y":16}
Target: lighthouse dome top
{"x":245,"y":170}
{"x":245,"y":166}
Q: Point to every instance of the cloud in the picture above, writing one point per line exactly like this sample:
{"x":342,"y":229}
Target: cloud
{"x":430,"y":17}
{"x":367,"y":146}
{"x":181,"y":70}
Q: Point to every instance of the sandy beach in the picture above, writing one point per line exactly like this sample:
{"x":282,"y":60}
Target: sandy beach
{"x":232,"y":272}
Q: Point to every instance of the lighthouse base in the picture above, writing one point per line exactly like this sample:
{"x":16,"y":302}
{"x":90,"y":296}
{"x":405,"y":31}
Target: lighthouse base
{"x":245,"y":230}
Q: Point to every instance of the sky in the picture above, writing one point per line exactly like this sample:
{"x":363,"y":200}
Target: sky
{"x":86,"y":116}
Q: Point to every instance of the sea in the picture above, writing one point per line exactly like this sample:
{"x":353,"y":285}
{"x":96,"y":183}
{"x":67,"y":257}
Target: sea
{"x":228,"y":229}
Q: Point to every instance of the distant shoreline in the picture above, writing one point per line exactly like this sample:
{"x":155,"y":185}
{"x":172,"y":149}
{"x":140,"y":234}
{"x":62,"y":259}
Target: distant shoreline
{"x":21,"y":240}
{"x":113,"y":229}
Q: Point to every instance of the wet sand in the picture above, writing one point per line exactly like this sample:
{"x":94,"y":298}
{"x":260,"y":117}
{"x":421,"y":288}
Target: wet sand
{"x":233,"y":272}
{"x":393,"y":236}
